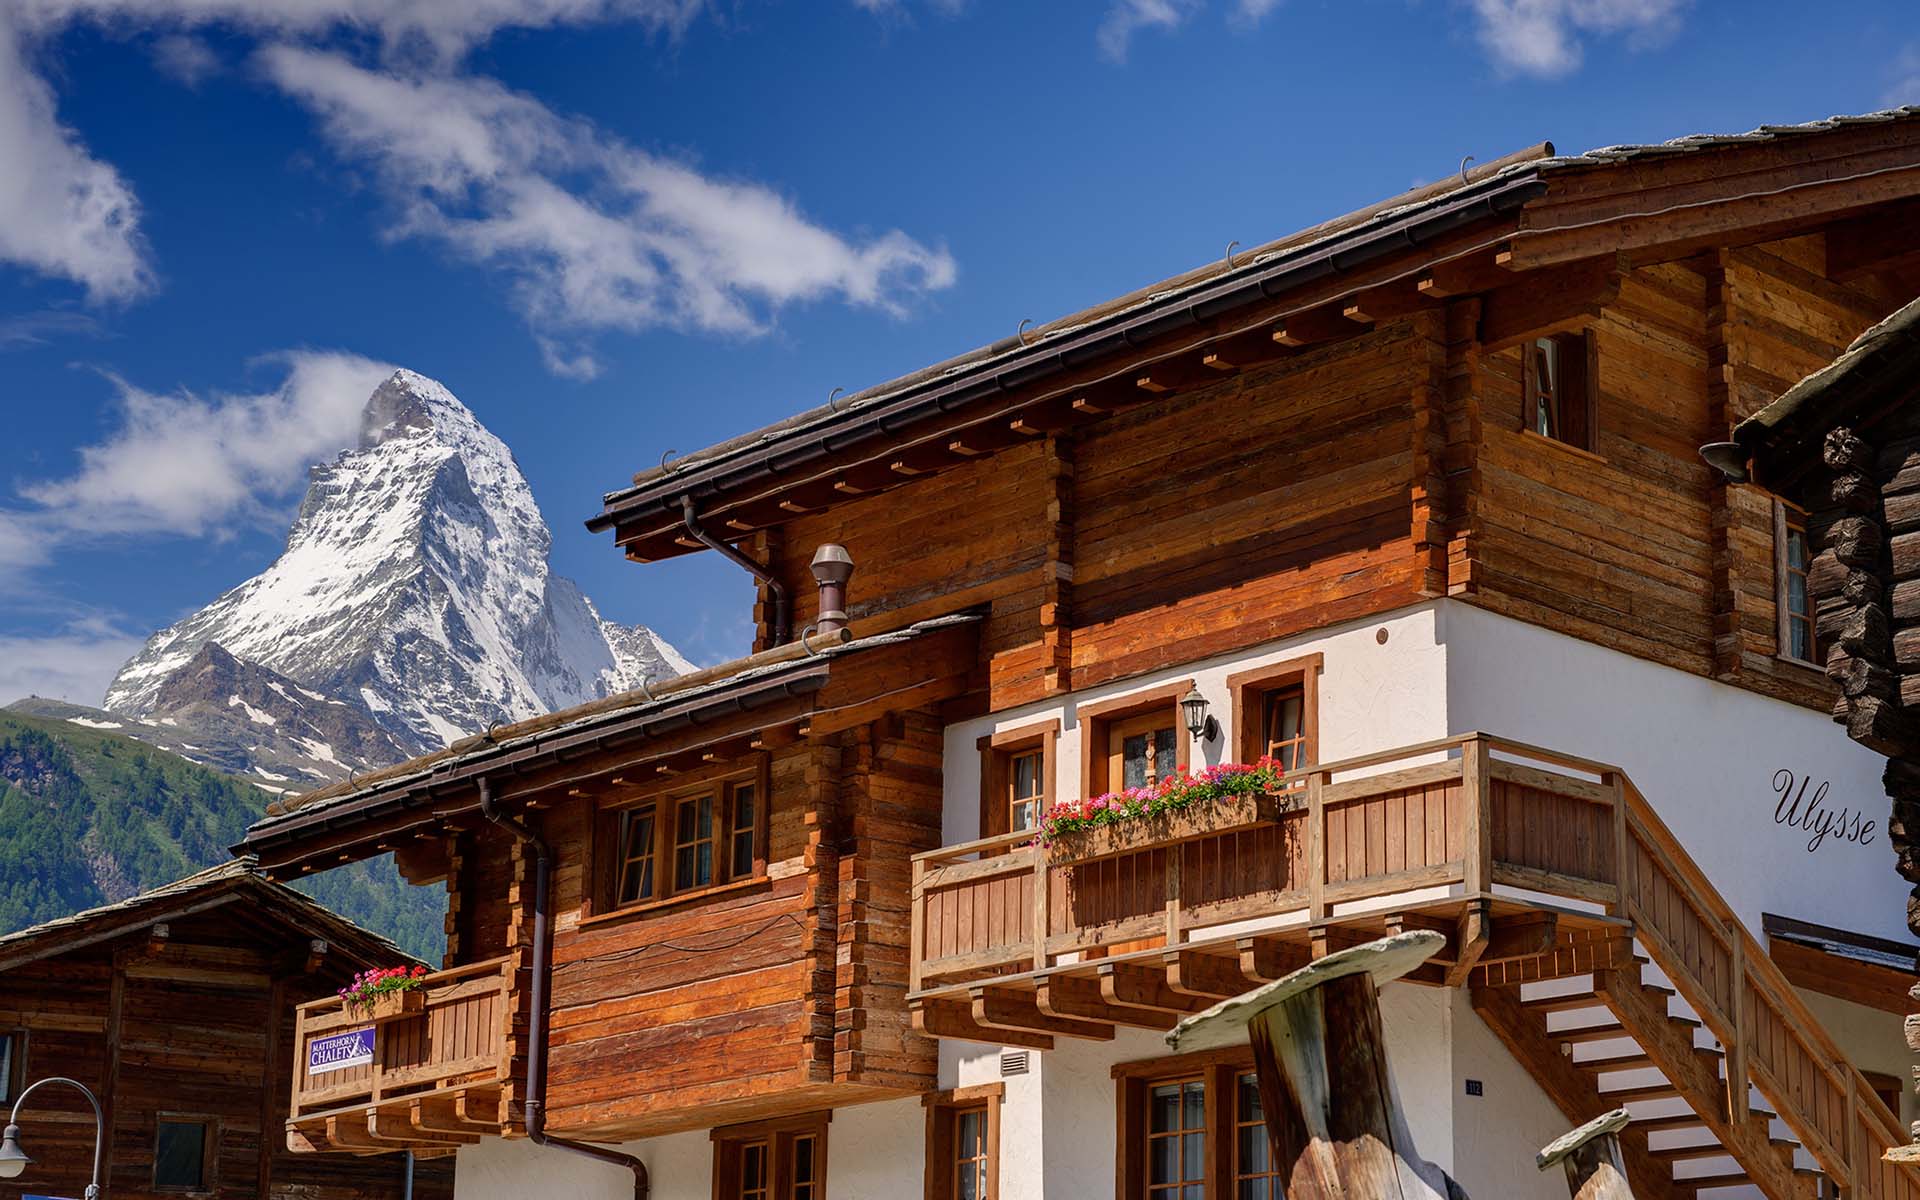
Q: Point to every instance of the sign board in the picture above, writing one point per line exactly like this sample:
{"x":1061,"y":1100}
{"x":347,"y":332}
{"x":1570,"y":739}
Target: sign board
{"x":338,"y":1051}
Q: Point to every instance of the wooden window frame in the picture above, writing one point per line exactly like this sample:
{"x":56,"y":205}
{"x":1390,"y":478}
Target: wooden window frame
{"x":1785,"y":519}
{"x":1133,"y":1081}
{"x":722,"y":783}
{"x":13,"y":1072}
{"x":997,"y":752}
{"x":1579,"y":385}
{"x":779,"y":1135}
{"x":209,"y":1153}
{"x":1098,"y":718}
{"x":1249,"y":689}
{"x":943,"y":1116}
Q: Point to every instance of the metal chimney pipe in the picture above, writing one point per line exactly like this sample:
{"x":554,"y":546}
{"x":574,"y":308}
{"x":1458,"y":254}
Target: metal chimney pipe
{"x":832,"y":567}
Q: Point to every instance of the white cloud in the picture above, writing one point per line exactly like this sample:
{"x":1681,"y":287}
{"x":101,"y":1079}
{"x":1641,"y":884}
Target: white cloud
{"x":594,"y":233}
{"x":38,"y":328}
{"x":183,"y":464}
{"x":1252,"y":12}
{"x":185,"y":58}
{"x":1906,"y":79}
{"x":1124,"y":18}
{"x":74,"y":664}
{"x":1543,"y":37}
{"x":63,"y":213}
{"x":449,"y":26}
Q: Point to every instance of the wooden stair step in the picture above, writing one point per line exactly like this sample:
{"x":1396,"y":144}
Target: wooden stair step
{"x":1590,"y":1033}
{"x":1651,"y":1091}
{"x":1692,"y":1153}
{"x":1701,"y":1182}
{"x":1617,"y":1062}
{"x":1559,"y":1004}
{"x":1669,"y":1122}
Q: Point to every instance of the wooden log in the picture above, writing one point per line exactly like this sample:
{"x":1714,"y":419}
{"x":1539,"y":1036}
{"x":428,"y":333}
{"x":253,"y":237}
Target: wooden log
{"x":1596,"y":1170}
{"x":1333,"y":1121}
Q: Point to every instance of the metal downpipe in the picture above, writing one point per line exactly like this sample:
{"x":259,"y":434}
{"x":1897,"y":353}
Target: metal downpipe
{"x":536,"y":1117}
{"x":782,"y":619}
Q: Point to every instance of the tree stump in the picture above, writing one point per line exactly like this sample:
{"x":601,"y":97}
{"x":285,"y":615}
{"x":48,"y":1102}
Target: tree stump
{"x":1591,"y":1154}
{"x":1335,"y":1125}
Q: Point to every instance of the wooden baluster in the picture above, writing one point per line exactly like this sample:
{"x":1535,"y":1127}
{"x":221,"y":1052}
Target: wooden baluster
{"x":1596,"y":1170}
{"x":1333,"y":1121}
{"x":1622,"y":846}
{"x":1476,"y":790}
{"x":1736,"y":1057}
{"x":1042,"y":909}
{"x":1316,"y":850}
{"x":1175,"y":935}
{"x":917,"y":927}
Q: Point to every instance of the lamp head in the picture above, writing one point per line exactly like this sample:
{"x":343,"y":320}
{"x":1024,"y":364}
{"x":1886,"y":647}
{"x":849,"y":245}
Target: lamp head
{"x":1728,"y":458}
{"x":1193,"y":709}
{"x":13,"y":1160}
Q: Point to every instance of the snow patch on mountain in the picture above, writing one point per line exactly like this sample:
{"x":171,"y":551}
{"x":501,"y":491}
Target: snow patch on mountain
{"x":414,"y":587}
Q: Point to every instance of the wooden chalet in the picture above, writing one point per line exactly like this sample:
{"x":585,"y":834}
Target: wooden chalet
{"x":1409,"y":503}
{"x":175,"y":1008}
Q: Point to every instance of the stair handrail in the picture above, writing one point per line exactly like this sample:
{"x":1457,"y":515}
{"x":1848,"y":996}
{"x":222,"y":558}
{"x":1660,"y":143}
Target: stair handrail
{"x":1756,"y":967}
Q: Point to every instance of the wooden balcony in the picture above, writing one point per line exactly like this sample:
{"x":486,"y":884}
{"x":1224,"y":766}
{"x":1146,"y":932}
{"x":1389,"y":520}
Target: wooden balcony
{"x":1008,"y":940}
{"x":442,"y":1075}
{"x":1012,"y":946}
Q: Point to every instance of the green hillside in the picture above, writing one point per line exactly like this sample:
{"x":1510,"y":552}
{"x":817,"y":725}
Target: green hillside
{"x":88,"y":817}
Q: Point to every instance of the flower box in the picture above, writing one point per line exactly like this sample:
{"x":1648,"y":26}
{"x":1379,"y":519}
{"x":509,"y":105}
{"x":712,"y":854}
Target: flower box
{"x":392,"y":1006}
{"x":1210,"y":818}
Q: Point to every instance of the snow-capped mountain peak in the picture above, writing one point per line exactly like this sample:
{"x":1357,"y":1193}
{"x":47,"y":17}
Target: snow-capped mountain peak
{"x":414,"y":584}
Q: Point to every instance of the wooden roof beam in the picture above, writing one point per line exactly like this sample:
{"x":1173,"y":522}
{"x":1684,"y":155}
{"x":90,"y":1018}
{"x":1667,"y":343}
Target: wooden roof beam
{"x":1549,"y":301}
{"x":1004,"y":1008}
{"x":953,"y":1019}
{"x":1375,"y":305}
{"x":1315,"y":325}
{"x":1074,"y":997}
{"x":1465,"y":277}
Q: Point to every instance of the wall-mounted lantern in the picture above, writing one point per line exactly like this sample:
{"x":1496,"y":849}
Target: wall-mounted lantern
{"x":1193,"y":709}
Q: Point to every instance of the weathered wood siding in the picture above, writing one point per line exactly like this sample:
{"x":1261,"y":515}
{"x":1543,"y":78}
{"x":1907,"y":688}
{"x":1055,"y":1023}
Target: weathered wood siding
{"x":767,"y":998}
{"x":1271,"y":503}
{"x":1612,"y":547}
{"x":200,"y":1028}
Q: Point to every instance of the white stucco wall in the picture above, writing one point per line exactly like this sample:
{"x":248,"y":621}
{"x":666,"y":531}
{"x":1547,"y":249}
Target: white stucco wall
{"x":1704,"y":754}
{"x":1373,"y":696}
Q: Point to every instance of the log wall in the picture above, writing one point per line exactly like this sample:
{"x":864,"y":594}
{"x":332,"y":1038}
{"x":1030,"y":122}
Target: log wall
{"x":200,"y":1028}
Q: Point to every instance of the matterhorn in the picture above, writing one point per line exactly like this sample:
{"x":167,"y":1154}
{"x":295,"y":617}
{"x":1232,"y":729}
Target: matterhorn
{"x":413,"y":605}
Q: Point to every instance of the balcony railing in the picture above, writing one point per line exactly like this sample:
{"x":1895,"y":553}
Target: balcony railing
{"x":1356,"y":830}
{"x":430,"y":1079}
{"x":1011,"y":947}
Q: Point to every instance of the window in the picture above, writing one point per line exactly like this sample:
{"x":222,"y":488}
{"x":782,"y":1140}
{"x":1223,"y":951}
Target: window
{"x":1276,"y":712}
{"x":1133,"y":741}
{"x":784,"y":1159}
{"x":12,"y":1047}
{"x":1793,"y":555}
{"x":1016,"y":777}
{"x":963,"y":1143}
{"x":183,"y":1153}
{"x":1140,"y":750}
{"x":702,"y":836}
{"x":1256,"y":1176}
{"x":1556,"y":384}
{"x":1177,"y":1140}
{"x":693,"y":834}
{"x":1192,"y":1128}
{"x":745,"y":828}
{"x":636,"y":855}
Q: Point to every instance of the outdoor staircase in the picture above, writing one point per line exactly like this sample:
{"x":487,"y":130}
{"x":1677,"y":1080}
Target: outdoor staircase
{"x":1734,"y":1088}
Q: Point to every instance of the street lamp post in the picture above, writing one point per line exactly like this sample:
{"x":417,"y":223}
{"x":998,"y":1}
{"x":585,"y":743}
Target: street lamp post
{"x":14,"y":1160}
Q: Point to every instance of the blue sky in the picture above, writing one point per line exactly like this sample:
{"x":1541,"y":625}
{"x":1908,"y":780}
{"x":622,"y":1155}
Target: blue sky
{"x":620,"y":227}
